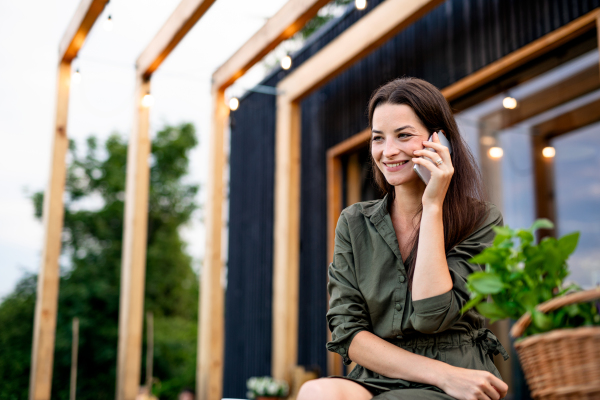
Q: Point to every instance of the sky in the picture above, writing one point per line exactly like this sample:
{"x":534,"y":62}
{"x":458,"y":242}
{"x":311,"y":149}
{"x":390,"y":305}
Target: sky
{"x":103,"y":102}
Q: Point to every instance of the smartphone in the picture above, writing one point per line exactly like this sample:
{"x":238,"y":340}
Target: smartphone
{"x":423,"y":172}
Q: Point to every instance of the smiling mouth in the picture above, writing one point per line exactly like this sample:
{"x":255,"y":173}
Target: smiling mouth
{"x":395,"y":164}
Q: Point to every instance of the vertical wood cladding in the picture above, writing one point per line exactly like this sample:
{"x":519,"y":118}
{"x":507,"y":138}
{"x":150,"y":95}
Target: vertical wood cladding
{"x":452,"y":41}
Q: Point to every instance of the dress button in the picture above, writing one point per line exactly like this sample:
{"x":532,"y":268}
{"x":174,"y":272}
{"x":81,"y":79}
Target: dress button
{"x":402,"y":279}
{"x":399,"y":337}
{"x":398,"y":306}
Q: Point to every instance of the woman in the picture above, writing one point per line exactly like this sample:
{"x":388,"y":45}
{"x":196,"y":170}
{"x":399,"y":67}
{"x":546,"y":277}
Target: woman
{"x":398,"y":278}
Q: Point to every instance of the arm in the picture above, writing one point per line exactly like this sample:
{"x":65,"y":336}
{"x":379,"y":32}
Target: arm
{"x":382,"y":357}
{"x":439,"y":288}
{"x":439,"y":312}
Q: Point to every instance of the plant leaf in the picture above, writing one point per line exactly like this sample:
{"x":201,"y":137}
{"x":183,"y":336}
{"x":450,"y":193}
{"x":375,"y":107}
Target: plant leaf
{"x":541,"y":320}
{"x":567,"y":244}
{"x":541,"y":223}
{"x":486,"y":282}
{"x":472,"y":303}
{"x":491,"y":311}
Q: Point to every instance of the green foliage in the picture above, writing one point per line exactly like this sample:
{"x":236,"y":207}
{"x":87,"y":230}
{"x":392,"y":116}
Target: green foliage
{"x":321,"y":19}
{"x":89,"y":283}
{"x":520,"y":274}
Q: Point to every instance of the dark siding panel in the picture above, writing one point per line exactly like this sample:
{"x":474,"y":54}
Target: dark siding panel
{"x":250,"y":259}
{"x":451,"y":42}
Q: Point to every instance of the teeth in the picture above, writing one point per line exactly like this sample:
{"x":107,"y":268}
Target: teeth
{"x":395,"y":165}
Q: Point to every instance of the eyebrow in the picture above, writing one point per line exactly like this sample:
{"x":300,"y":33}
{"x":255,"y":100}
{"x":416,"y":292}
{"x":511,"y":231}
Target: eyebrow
{"x":397,"y":129}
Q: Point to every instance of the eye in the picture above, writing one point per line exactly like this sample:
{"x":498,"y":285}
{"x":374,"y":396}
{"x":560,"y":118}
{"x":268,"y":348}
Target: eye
{"x":404,"y":135}
{"x":377,"y":138}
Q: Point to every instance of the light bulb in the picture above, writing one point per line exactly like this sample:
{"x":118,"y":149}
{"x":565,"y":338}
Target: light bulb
{"x":360,"y":4}
{"x":549,"y":152}
{"x":495,"y":152}
{"x":234,"y":103}
{"x":108,"y":24}
{"x":286,"y":62}
{"x":76,"y":78}
{"x":148,"y":100}
{"x":509,"y":102}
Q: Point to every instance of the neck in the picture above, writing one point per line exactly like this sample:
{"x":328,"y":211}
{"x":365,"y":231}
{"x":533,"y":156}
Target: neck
{"x":408,"y":199}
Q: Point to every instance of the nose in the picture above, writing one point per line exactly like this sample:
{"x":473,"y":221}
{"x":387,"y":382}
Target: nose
{"x":390,"y":149}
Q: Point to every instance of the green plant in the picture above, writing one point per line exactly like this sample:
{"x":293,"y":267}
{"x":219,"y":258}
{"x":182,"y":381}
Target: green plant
{"x":266,"y":386}
{"x":520,"y":274}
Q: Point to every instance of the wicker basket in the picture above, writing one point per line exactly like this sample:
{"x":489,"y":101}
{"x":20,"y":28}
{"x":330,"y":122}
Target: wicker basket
{"x":563,"y":363}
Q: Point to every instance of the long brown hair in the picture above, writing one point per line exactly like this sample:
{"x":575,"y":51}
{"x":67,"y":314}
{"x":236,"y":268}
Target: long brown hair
{"x":464,"y":206}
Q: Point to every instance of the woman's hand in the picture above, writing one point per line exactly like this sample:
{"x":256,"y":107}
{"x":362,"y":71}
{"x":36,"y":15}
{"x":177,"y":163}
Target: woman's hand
{"x":441,"y":174}
{"x":469,"y":384}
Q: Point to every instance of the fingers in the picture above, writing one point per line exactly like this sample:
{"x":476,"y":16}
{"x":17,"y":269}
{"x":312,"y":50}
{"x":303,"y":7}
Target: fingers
{"x":427,"y":164}
{"x":499,"y":386}
{"x":438,"y":147}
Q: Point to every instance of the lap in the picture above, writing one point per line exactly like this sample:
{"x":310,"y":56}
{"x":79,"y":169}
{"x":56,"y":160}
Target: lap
{"x":333,"y":388}
{"x":412,"y":394}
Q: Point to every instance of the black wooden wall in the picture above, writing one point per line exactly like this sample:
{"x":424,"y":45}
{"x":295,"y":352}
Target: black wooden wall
{"x":454,"y":40}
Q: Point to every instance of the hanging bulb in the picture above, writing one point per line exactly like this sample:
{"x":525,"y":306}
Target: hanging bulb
{"x":509,"y":102}
{"x":108,"y":24}
{"x":286,"y":62}
{"x":360,"y":4}
{"x":234,"y":103}
{"x":496,"y":152}
{"x":76,"y":78}
{"x":548,"y":152}
{"x":148,"y":100}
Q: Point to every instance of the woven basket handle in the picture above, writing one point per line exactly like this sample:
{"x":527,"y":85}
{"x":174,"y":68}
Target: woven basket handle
{"x":554,"y":304}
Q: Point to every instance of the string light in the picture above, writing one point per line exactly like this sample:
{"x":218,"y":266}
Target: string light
{"x":286,"y":62}
{"x":234,"y":103}
{"x":548,"y":152}
{"x":496,"y":152}
{"x":509,"y":102}
{"x":148,"y":100}
{"x":108,"y":24}
{"x":76,"y":78}
{"x":360,"y":4}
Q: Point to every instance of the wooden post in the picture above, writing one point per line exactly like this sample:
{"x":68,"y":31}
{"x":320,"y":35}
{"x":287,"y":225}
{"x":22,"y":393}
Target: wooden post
{"x":74,"y":352}
{"x":133,"y":266}
{"x":209,"y":373}
{"x":46,"y":304}
{"x":149,"y":350}
{"x":286,"y":239}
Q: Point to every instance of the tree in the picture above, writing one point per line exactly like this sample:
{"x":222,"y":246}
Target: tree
{"x":89,"y":283}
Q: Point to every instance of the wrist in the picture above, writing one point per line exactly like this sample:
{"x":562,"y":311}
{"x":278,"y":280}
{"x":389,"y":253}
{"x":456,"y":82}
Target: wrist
{"x":442,"y":375}
{"x":432,"y":208}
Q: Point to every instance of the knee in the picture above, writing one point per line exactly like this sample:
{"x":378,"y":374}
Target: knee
{"x":318,"y":389}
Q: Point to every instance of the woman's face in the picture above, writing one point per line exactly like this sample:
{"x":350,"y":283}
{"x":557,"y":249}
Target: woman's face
{"x":396,"y":133}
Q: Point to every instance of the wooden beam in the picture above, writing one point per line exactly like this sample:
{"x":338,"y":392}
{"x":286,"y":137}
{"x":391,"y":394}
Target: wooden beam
{"x":523,"y":55}
{"x":367,"y":34}
{"x":284,"y":24}
{"x":286,"y":239}
{"x":86,"y":14}
{"x":334,"y":209}
{"x":133,"y":265}
{"x":209,"y":372}
{"x":181,"y":21}
{"x":46,"y":303}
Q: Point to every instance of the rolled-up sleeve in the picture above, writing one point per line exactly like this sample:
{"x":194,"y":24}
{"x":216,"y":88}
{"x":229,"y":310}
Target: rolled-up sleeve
{"x":438,"y":313}
{"x":348,"y":313}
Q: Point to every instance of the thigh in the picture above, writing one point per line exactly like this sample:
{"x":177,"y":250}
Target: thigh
{"x":412,"y":394}
{"x":333,"y":389}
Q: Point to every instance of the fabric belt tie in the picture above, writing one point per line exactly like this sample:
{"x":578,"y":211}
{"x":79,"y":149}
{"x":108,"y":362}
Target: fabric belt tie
{"x":490,"y":343}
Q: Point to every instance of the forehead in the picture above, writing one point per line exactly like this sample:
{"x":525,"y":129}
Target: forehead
{"x":386,"y":115}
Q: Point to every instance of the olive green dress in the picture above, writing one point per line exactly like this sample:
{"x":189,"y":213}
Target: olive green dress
{"x":368,"y":291}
